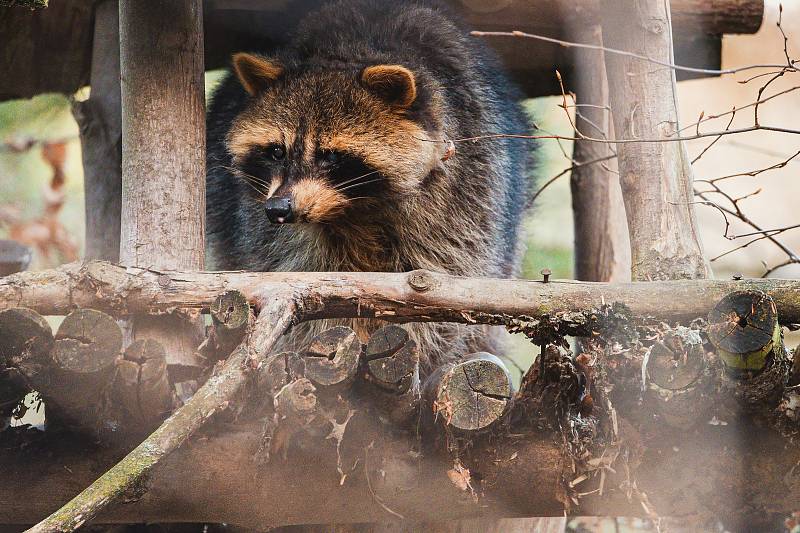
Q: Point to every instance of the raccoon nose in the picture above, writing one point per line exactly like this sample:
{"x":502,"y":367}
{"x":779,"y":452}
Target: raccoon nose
{"x":279,"y":210}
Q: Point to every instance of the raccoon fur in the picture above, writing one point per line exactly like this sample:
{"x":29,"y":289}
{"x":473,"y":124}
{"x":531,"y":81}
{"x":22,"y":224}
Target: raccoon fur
{"x":331,"y":154}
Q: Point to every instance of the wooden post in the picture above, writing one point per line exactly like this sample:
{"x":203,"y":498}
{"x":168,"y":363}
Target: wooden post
{"x":656,"y":178}
{"x":602,"y":246}
{"x":163,"y":134}
{"x":101,"y":138}
{"x":163,"y":155}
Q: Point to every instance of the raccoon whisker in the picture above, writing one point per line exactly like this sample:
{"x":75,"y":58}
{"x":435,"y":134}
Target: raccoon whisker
{"x":351,"y":180}
{"x":259,"y":191}
{"x":263,"y":190}
{"x":360,"y":183}
{"x":250,"y":177}
{"x":256,"y":180}
{"x":253,"y":179}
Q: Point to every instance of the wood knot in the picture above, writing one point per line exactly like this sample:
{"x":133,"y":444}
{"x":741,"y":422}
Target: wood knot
{"x":420,"y":280}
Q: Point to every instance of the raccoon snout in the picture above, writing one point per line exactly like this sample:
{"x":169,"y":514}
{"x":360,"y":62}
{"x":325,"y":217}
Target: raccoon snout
{"x":279,"y":209}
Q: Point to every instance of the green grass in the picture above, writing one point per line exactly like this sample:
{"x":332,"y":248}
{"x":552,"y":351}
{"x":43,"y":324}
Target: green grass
{"x":558,"y":259}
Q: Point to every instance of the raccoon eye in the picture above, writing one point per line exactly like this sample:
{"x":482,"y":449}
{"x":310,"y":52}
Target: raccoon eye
{"x":331,"y":157}
{"x":276,"y":152}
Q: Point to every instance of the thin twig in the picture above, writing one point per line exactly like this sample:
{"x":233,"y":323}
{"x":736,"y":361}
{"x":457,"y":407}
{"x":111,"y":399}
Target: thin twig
{"x":567,"y":170}
{"x":569,"y":44}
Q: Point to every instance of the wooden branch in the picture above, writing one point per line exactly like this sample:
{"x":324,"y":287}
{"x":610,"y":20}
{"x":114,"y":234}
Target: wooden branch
{"x":388,"y":296}
{"x":656,"y":178}
{"x":218,"y":391}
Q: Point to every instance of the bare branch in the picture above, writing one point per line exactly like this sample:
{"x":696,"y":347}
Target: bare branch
{"x":273,"y":321}
{"x":568,"y":44}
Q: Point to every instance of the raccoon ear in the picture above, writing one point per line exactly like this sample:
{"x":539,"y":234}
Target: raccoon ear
{"x":256,"y":73}
{"x":392,"y":83}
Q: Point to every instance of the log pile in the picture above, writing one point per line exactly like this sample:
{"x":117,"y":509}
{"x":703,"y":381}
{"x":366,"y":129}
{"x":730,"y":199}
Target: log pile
{"x":649,"y":411}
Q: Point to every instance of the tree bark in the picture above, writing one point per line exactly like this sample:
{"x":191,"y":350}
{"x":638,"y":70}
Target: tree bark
{"x":99,"y":119}
{"x":163,"y":158}
{"x":602,"y":245}
{"x":656,"y":178}
{"x":163,"y":134}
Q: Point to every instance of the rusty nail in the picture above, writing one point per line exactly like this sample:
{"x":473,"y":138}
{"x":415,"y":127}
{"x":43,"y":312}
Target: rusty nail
{"x":546,"y":274}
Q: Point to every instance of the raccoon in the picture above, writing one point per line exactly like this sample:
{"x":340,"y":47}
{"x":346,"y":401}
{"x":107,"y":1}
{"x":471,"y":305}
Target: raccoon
{"x":333,"y":154}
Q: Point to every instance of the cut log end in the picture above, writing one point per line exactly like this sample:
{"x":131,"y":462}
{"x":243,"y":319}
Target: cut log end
{"x":392,"y":359}
{"x":679,"y":381}
{"x":230,"y":311}
{"x":141,"y":383}
{"x":87,"y":342}
{"x":297,"y":399}
{"x":333,"y":357}
{"x":25,"y":343}
{"x":230,"y":314}
{"x":744,"y":328}
{"x":675,"y":369}
{"x":473,"y":394}
{"x":24,"y":334}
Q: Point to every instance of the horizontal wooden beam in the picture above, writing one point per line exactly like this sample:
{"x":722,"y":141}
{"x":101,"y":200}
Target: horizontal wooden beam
{"x":435,"y":296}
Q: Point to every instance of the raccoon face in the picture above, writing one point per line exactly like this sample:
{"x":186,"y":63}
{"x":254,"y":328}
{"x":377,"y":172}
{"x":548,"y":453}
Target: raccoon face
{"x":316,"y":144}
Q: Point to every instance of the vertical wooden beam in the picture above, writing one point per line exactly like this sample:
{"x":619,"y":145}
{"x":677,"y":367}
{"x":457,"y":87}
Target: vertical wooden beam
{"x":163,"y":134}
{"x":99,"y":119}
{"x":163,"y":158}
{"x":656,"y":177}
{"x":602,"y":246}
